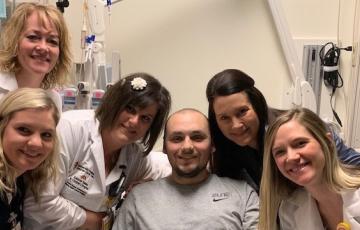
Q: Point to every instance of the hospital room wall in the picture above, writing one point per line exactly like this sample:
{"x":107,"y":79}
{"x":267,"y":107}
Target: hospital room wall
{"x":321,"y":21}
{"x":184,"y":43}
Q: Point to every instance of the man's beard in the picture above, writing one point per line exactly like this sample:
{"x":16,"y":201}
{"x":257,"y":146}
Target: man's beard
{"x":193,"y":173}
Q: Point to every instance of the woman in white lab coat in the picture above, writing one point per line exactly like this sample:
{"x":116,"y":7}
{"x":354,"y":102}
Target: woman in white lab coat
{"x":34,"y":49}
{"x":98,"y":151}
{"x":302,"y":180}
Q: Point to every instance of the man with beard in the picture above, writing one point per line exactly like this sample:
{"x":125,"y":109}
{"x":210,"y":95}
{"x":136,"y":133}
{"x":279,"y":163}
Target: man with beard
{"x":191,"y":197}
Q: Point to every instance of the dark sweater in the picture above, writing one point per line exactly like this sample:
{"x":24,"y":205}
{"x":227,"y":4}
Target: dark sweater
{"x":11,"y":213}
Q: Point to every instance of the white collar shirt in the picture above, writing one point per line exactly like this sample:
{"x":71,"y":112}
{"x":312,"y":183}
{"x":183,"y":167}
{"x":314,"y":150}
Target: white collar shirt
{"x":7,"y":83}
{"x":300,"y":211}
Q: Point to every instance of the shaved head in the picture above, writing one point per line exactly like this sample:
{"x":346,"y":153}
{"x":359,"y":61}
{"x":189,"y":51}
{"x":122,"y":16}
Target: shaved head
{"x":188,"y":145}
{"x":183,"y":111}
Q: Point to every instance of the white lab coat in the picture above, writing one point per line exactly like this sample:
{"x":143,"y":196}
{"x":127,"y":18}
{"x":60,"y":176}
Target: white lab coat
{"x":82,"y":182}
{"x":8,"y":83}
{"x":300,"y":211}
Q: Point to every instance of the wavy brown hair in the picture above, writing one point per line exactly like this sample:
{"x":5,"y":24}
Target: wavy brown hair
{"x":122,"y":95}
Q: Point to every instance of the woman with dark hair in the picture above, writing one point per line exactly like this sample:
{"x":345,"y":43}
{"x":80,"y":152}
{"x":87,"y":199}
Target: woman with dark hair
{"x":238,"y":116}
{"x":101,"y":154}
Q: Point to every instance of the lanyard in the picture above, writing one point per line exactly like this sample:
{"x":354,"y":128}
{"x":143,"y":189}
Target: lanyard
{"x":115,"y":198}
{"x":116,"y":190}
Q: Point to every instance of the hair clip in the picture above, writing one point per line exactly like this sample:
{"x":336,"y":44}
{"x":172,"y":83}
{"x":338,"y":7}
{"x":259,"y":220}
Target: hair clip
{"x":138,"y":84}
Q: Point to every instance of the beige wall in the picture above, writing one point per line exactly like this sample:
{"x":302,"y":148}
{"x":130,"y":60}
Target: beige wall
{"x":318,"y":21}
{"x":184,"y":43}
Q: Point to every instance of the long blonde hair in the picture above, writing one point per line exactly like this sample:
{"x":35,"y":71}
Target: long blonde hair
{"x":275,"y":187}
{"x":15,"y":101}
{"x":12,"y":33}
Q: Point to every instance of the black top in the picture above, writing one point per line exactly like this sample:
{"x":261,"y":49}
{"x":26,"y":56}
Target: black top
{"x":245,"y":164}
{"x":235,"y":161}
{"x":12,"y":214}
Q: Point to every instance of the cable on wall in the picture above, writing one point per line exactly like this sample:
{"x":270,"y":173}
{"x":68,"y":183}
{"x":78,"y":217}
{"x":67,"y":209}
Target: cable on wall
{"x":330,"y":64}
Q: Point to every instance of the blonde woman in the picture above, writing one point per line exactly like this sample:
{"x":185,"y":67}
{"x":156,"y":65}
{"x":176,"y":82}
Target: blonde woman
{"x":28,"y":149}
{"x":34,"y":49}
{"x":302,"y":181}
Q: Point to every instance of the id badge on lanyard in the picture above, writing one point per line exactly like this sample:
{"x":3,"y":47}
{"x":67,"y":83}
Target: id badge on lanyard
{"x":115,"y":198}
